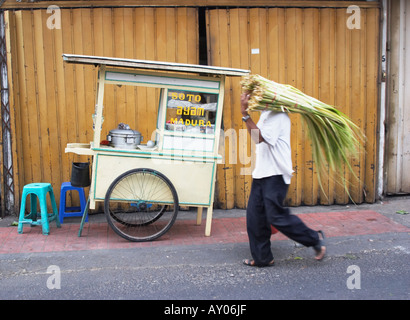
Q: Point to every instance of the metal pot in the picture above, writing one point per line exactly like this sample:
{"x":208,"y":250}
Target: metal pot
{"x":124,"y":138}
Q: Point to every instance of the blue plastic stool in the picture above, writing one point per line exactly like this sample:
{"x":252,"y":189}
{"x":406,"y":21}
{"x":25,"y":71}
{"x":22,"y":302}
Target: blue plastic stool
{"x":71,"y":211}
{"x":40,"y":190}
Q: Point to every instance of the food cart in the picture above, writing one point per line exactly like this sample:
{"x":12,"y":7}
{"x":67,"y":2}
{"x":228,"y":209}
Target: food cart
{"x":142,"y":185}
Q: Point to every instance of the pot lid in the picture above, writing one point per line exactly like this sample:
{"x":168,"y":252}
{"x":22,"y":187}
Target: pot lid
{"x":124,"y":132}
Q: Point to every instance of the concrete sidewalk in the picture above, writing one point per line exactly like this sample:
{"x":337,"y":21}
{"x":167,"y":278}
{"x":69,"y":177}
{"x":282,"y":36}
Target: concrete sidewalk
{"x":229,"y":226}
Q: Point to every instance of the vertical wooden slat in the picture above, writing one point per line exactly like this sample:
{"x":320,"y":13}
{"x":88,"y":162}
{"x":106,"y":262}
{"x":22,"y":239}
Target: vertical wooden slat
{"x":241,"y":173}
{"x":273,"y":43}
{"x":41,"y":100}
{"x":30,"y":112}
{"x":171,"y":46}
{"x":107,"y":30}
{"x":192,"y":38}
{"x":222,"y":44}
{"x":181,"y":25}
{"x":79,"y":78}
{"x":151,"y":51}
{"x":129,"y":53}
{"x":163,"y":51}
{"x":310,"y":87}
{"x":232,"y":110}
{"x":371,"y":128}
{"x":236,"y":169}
{"x":143,"y":19}
{"x":70,"y":117}
{"x":293,"y":65}
{"x":60,"y":101}
{"x":356,"y":95}
{"x":362,"y":116}
{"x":98,"y":37}
{"x":50,"y":106}
{"x":257,"y":30}
{"x":326,"y":71}
{"x":90,"y":77}
{"x":341,"y":92}
{"x":160,"y":45}
{"x":69,"y":124}
{"x":119,"y":47}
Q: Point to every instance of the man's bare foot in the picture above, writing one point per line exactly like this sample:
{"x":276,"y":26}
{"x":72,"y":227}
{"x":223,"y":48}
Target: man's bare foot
{"x":320,"y":254}
{"x":320,"y":248}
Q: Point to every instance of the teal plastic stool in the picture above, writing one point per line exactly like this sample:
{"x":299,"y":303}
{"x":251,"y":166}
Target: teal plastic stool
{"x":40,"y":191}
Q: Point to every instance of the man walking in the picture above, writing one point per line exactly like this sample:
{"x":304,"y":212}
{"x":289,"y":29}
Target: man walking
{"x":271,"y":178}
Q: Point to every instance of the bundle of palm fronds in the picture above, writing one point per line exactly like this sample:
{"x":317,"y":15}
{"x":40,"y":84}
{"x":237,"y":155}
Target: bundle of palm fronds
{"x":334,"y":137}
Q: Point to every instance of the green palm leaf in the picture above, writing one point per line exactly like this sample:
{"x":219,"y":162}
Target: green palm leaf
{"x":335,"y":139}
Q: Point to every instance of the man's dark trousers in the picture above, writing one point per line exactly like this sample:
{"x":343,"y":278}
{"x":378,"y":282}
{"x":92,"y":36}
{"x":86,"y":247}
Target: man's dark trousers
{"x":265,"y":208}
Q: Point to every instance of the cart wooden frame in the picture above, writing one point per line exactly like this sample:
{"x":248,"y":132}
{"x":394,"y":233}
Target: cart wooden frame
{"x":187,"y":158}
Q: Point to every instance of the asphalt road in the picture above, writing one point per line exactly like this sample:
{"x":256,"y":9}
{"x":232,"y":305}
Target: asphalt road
{"x":378,"y":264}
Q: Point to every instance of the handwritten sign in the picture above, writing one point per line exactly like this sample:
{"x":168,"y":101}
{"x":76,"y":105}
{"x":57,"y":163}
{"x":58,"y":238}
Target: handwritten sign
{"x":189,"y":110}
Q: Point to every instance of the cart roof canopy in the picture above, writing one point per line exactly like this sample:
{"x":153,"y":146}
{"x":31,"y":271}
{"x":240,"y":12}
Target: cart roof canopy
{"x":154,"y":65}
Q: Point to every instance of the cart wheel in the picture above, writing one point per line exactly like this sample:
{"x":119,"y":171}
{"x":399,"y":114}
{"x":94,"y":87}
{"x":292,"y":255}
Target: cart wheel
{"x":141,"y":205}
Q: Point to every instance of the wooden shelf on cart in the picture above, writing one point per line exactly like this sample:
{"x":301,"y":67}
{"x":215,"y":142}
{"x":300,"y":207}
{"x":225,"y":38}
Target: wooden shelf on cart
{"x":79,"y":148}
{"x":88,"y":149}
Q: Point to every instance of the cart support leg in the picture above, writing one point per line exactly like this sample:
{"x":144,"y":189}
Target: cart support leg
{"x":208,"y":221}
{"x":199,"y":216}
{"x":85,"y":213}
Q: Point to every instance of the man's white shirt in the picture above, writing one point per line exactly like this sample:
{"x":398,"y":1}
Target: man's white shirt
{"x":274,"y":155}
